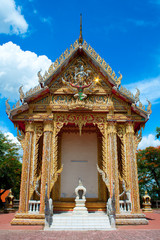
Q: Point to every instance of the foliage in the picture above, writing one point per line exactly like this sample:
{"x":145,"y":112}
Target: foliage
{"x":148,"y":161}
{"x":10,"y":166}
{"x":158,"y":132}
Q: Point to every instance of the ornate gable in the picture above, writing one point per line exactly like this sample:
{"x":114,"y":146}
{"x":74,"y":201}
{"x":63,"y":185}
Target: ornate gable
{"x":80,"y":80}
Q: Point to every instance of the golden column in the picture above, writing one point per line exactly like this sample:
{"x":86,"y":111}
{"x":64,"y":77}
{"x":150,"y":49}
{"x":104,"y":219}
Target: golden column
{"x":113,"y":161}
{"x":25,"y":177}
{"x":131,"y":161}
{"x":46,"y":162}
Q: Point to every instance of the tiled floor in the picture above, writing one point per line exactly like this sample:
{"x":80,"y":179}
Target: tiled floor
{"x":144,"y":232}
{"x":91,"y":235}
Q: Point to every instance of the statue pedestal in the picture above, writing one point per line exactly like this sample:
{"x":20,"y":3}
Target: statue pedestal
{"x":80,"y":207}
{"x":147,"y":207}
{"x":9,"y":210}
{"x":80,"y":200}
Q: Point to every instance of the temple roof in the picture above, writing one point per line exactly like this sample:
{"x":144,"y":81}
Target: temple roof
{"x":59,"y":66}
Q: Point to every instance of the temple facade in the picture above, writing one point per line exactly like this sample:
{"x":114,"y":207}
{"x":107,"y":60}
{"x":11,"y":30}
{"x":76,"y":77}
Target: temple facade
{"x":79,"y":123}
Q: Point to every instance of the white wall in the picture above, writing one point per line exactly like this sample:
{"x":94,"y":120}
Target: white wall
{"x":79,"y":156}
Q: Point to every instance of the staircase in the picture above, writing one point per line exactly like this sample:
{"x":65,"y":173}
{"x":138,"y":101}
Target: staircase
{"x":70,"y":221}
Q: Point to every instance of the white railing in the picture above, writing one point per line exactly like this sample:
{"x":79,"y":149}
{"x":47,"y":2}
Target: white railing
{"x":34,"y":206}
{"x":125,"y":206}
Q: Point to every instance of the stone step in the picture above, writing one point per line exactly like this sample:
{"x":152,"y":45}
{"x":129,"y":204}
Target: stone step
{"x":70,"y":221}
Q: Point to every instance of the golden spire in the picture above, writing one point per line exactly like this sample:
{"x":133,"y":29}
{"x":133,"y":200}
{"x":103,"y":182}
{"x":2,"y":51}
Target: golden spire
{"x":80,"y":36}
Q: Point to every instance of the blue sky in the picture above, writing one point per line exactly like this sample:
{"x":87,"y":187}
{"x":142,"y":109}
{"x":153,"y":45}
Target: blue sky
{"x":126,"y":33}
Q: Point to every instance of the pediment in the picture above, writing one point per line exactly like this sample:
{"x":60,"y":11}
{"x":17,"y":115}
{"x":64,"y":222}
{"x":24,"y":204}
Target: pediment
{"x":63,"y":84}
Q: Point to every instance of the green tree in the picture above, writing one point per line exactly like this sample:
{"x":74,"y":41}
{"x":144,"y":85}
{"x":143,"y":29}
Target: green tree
{"x":10,"y":166}
{"x":158,"y":132}
{"x":148,"y":161}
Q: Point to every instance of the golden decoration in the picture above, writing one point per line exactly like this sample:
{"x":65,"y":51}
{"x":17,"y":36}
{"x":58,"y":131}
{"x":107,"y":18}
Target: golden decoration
{"x":137,"y":95}
{"x":21,"y":93}
{"x":81,"y":120}
{"x":8,"y":108}
{"x":54,"y":177}
{"x":149,"y":111}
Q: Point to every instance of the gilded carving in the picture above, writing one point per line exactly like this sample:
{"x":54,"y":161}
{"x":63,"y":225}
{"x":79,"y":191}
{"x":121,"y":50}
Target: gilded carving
{"x":21,"y":137}
{"x":46,"y":162}
{"x":48,"y":126}
{"x":118,"y":80}
{"x":113,"y":162}
{"x":35,"y":173}
{"x":54,"y":177}
{"x":138,"y":138}
{"x":81,"y":120}
{"x":27,"y":157}
{"x":132,"y":166}
{"x":29,"y":127}
{"x":122,"y":158}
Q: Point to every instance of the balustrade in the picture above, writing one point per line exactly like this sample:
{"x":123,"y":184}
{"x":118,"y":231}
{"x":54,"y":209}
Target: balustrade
{"x":125,"y":206}
{"x":34,"y":206}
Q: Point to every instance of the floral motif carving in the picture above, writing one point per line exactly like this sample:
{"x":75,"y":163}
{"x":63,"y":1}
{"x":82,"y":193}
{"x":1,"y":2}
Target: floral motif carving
{"x":81,"y":120}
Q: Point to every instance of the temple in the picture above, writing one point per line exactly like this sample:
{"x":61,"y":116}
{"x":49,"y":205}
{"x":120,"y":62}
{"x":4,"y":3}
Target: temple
{"x":79,"y":123}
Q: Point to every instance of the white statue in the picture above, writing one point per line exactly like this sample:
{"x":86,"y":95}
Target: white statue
{"x":80,"y":200}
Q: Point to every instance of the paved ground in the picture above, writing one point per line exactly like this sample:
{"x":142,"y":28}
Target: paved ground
{"x":144,"y":232}
{"x":93,"y":235}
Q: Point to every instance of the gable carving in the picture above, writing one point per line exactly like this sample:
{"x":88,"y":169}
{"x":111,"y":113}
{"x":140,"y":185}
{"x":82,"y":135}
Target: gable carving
{"x":80,"y":76}
{"x":119,"y":104}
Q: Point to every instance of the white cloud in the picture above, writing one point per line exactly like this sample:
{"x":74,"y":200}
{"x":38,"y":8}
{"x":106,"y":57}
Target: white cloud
{"x":149,"y":88}
{"x":148,"y":141}
{"x":11,"y":137}
{"x":18,"y":67}
{"x":11,"y":19}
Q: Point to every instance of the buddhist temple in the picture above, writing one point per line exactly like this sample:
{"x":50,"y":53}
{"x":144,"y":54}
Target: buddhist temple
{"x":79,"y":122}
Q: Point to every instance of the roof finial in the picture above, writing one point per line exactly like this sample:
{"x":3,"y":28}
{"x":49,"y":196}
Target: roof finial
{"x":80,"y":36}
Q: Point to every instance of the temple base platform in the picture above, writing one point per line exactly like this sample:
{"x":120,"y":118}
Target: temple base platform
{"x":67,"y":210}
{"x":28,"y":219}
{"x":131,"y":219}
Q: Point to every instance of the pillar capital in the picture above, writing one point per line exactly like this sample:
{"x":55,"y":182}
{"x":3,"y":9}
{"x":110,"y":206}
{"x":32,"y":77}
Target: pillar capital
{"x":48,"y":126}
{"x":29,"y":126}
{"x":130,"y":127}
{"x":111,"y":127}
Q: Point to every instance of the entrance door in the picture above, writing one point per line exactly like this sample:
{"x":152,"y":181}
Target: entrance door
{"x":79,"y":156}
